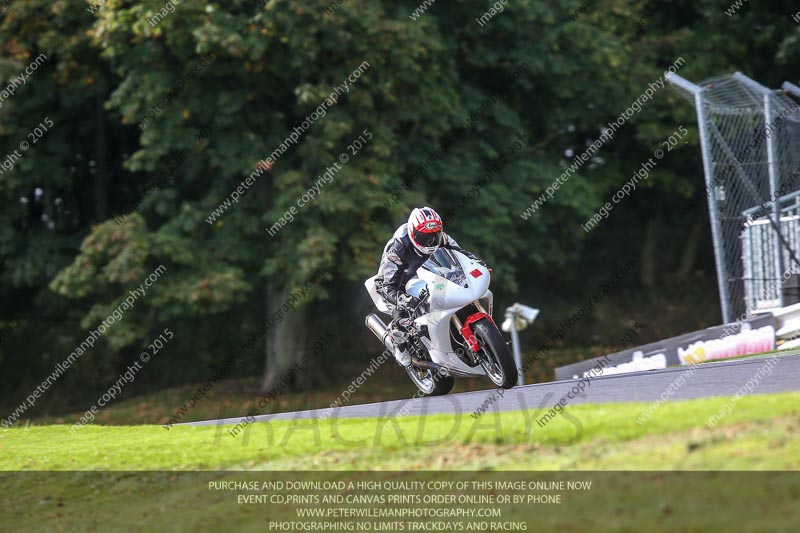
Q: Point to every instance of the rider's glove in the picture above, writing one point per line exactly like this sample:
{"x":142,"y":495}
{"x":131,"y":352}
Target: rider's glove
{"x":480,"y":261}
{"x":398,"y":313}
{"x":475,"y":258}
{"x":407,"y":303}
{"x":410,"y":302}
{"x":404,"y":310}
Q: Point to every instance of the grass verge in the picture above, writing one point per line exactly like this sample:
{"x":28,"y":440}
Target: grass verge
{"x":104,"y":492}
{"x":760,"y":433}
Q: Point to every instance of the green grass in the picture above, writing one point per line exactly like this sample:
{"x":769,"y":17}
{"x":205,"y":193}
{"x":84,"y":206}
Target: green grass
{"x":760,"y":433}
{"x":617,"y":501}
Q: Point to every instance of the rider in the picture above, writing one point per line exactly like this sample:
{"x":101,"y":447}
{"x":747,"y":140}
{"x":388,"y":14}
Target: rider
{"x":410,"y":246}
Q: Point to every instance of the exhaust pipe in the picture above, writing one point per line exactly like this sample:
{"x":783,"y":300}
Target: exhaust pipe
{"x":380,"y":330}
{"x":426,"y":365}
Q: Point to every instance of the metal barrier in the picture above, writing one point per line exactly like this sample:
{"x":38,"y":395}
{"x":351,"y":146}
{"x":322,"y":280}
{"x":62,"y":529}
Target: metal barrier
{"x":762,"y":291}
{"x":750,"y":140}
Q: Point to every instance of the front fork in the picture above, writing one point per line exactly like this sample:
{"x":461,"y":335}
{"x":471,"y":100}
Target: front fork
{"x":465,"y":328}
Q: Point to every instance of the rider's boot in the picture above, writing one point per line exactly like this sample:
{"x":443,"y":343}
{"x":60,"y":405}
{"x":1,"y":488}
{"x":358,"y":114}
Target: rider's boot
{"x":401,"y":354}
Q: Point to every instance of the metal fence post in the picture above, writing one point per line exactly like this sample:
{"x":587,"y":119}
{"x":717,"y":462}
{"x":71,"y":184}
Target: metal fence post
{"x":772,"y":168}
{"x":748,"y":153}
{"x":711,"y":193}
{"x":774,"y":185}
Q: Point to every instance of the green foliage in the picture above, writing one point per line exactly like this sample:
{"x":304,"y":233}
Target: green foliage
{"x":219,"y":86}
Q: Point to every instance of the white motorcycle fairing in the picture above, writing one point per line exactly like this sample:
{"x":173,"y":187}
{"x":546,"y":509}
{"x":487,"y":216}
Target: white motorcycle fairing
{"x":453,"y":282}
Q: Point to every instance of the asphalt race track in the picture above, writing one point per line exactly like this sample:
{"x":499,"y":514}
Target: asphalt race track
{"x":710,"y":379}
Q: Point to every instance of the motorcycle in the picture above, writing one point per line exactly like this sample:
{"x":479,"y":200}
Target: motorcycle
{"x":451,"y":332}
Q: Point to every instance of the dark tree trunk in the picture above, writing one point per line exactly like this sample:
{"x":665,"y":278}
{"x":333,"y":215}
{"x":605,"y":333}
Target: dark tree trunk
{"x":101,"y":175}
{"x":284,"y":340}
{"x":651,"y":248}
{"x":689,"y":255}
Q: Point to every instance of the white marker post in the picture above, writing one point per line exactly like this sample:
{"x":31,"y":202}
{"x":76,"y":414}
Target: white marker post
{"x":517,"y":318}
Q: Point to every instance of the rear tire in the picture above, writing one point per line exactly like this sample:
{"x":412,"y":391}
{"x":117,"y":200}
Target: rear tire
{"x":503,"y":370}
{"x":430,"y":382}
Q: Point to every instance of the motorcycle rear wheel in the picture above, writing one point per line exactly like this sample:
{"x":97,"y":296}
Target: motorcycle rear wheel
{"x":430,"y":382}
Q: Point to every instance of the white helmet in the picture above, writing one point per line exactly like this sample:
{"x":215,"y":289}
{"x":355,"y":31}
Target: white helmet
{"x":425,"y":230}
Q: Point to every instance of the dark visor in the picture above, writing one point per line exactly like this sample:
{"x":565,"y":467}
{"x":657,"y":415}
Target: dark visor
{"x":428,"y":239}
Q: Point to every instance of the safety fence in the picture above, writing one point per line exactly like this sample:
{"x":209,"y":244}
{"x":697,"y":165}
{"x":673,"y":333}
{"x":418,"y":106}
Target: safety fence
{"x":750,"y":141}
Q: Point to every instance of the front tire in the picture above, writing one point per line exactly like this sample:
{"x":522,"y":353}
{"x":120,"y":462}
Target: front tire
{"x":496,"y":359}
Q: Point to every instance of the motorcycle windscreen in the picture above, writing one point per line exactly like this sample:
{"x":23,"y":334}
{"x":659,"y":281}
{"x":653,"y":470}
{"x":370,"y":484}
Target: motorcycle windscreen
{"x":444,"y":264}
{"x":459,"y":289}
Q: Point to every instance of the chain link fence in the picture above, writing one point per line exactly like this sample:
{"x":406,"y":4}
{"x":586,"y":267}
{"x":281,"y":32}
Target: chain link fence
{"x":750,"y":139}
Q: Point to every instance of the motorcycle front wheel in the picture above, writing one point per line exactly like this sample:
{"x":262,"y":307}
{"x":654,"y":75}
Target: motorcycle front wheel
{"x":495,"y":357}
